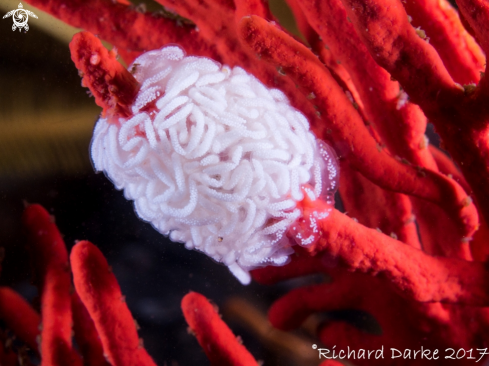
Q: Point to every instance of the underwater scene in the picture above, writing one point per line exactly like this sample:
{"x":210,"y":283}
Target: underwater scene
{"x":244,"y":182}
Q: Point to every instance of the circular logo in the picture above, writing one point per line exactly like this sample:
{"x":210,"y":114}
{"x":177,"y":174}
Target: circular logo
{"x":20,"y":17}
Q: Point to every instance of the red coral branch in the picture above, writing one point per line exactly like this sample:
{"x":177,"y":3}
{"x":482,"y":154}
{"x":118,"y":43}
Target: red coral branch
{"x":417,"y":66}
{"x":433,"y":325}
{"x":113,"y":87}
{"x":447,"y":167}
{"x":400,"y":124}
{"x":252,"y":7}
{"x":127,"y":28}
{"x":100,"y":293}
{"x":19,"y":317}
{"x":323,"y":51}
{"x":476,"y":13}
{"x":104,"y":328}
{"x":53,"y":274}
{"x":420,"y":321}
{"x":373,"y":207}
{"x":218,"y":342}
{"x":461,"y":55}
{"x":86,"y":335}
{"x":411,"y":271}
{"x":340,"y":116}
{"x":405,"y":55}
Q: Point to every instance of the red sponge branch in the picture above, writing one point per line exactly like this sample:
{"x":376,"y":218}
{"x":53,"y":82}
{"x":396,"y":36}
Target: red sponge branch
{"x":19,"y":317}
{"x":401,"y":126}
{"x":460,"y":115}
{"x":216,"y":339}
{"x":128,"y":28}
{"x":113,"y":87}
{"x":476,"y":13}
{"x":100,"y":293}
{"x":461,"y":55}
{"x":86,"y":335}
{"x":373,"y":207}
{"x":411,"y":271}
{"x":341,"y":118}
{"x":53,"y":273}
{"x":104,"y":328}
{"x":394,"y":44}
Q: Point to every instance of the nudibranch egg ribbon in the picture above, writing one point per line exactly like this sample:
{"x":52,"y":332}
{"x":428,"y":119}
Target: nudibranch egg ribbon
{"x":214,"y":159}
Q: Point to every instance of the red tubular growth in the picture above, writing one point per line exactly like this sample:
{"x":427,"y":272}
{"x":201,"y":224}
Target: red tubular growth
{"x":19,"y":317}
{"x":340,"y":116}
{"x":410,"y":271}
{"x":86,"y":335}
{"x":460,"y":115}
{"x":128,"y":29}
{"x":53,"y":274}
{"x":113,"y":87}
{"x":461,"y":55}
{"x":476,"y":13}
{"x":432,"y":325}
{"x":105,"y":331}
{"x":216,"y":339}
{"x":100,"y":293}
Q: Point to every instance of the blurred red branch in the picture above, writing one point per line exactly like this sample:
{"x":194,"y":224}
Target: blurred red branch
{"x":50,"y":259}
{"x":214,"y":336}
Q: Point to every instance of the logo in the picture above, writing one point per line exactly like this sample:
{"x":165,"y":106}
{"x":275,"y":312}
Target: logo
{"x":20,"y":17}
